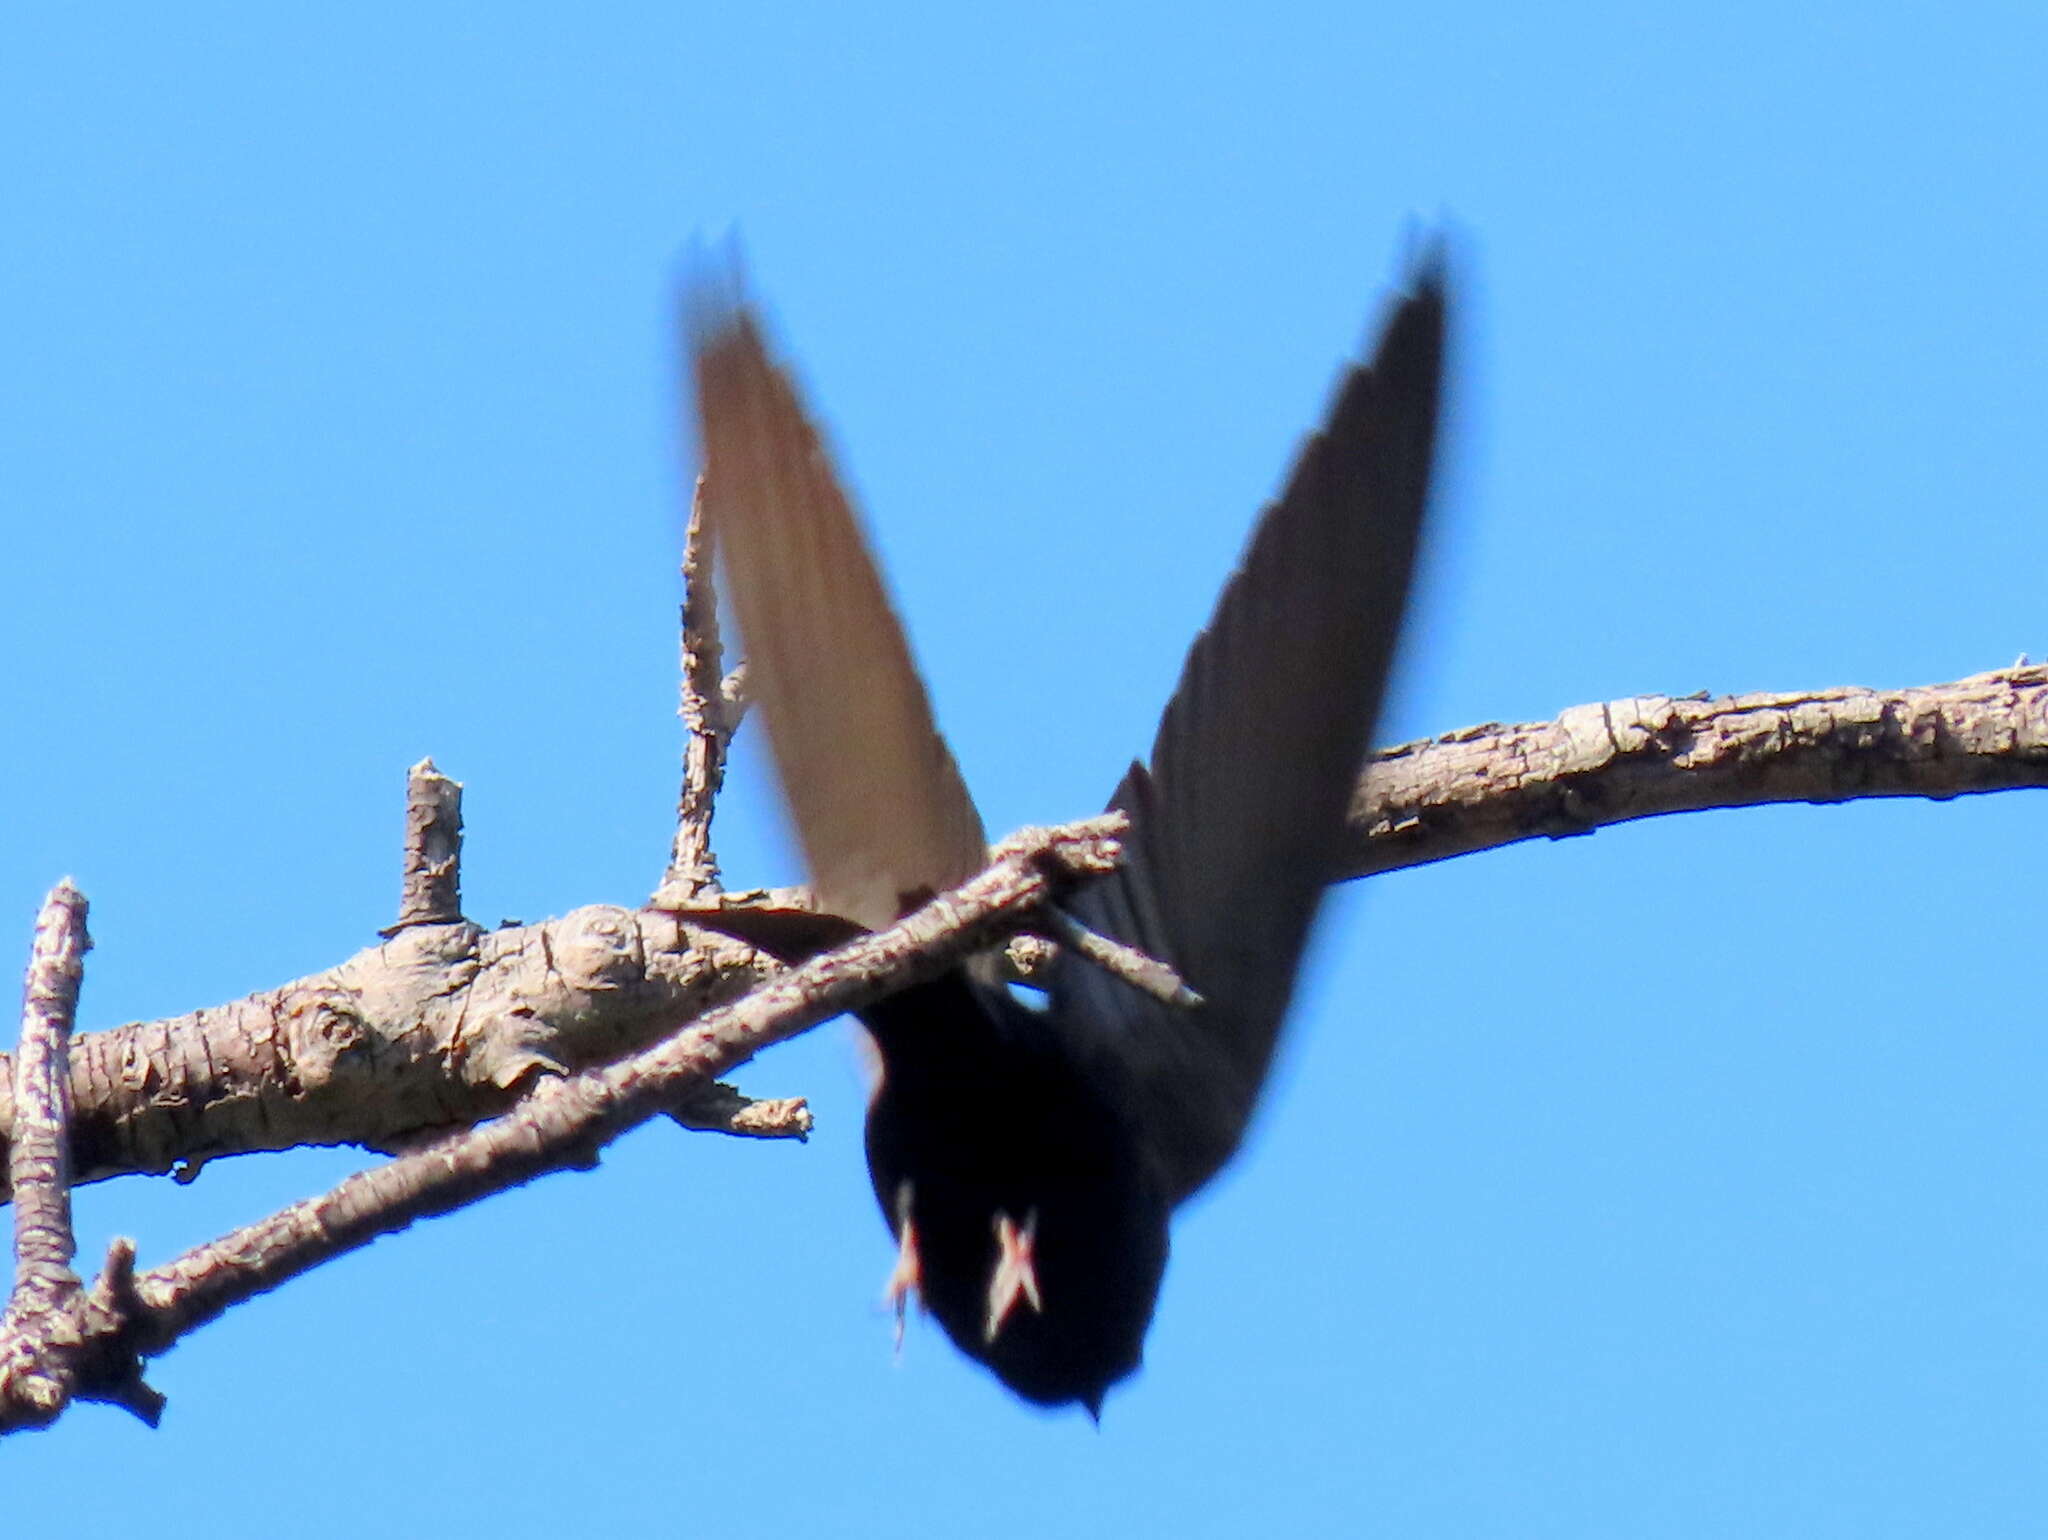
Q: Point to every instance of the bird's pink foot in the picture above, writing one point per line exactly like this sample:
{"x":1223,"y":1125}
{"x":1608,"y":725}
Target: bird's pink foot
{"x":1016,"y":1272}
{"x":906,"y":1279}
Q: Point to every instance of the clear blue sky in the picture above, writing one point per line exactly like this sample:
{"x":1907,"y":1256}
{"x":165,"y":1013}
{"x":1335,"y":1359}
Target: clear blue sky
{"x":1685,"y":1180}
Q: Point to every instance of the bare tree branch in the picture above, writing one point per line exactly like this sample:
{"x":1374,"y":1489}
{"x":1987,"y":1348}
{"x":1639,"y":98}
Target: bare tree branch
{"x":1649,"y":755}
{"x":56,"y":1341}
{"x":562,"y":1124}
{"x":442,"y":1025}
{"x":446,"y":1025}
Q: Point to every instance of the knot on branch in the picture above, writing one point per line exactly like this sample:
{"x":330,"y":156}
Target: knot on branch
{"x":325,"y":1036}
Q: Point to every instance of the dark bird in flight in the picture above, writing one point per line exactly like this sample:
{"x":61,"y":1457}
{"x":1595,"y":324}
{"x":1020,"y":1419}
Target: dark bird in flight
{"x":1027,"y":1160}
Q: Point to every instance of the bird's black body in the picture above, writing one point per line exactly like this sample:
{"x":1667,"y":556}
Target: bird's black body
{"x":979,"y":1112}
{"x":1028,"y":1161}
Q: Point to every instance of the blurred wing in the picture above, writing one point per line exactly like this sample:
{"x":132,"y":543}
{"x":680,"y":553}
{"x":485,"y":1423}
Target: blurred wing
{"x":878,"y":804}
{"x":1235,"y":825}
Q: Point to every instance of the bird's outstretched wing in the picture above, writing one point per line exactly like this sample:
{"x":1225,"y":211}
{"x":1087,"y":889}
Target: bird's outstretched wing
{"x":1235,"y":823}
{"x":878,"y":804}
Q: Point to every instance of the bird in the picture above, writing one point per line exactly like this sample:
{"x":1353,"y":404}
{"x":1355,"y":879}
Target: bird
{"x":1028,"y":1159}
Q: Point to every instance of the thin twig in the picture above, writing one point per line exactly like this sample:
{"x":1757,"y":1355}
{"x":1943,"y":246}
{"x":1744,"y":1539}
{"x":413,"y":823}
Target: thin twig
{"x":110,"y":1306}
{"x":40,"y":1359}
{"x":693,"y":865}
{"x":733,"y":697}
{"x":433,"y":850}
{"x":722,"y":1109}
{"x":39,"y":1163}
{"x":1148,"y":975}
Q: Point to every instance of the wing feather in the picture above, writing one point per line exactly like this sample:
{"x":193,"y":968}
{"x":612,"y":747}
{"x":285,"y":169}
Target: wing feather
{"x":1236,"y":818}
{"x":877,"y":802}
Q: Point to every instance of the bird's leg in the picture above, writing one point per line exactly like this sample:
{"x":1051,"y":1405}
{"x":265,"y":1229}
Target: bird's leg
{"x":1016,"y":1271}
{"x":907,"y":1278}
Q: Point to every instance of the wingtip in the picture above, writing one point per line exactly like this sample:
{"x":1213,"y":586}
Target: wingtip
{"x":1427,"y":259}
{"x":712,"y":294}
{"x":1410,"y":337}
